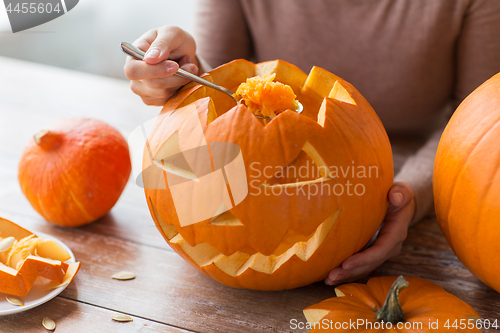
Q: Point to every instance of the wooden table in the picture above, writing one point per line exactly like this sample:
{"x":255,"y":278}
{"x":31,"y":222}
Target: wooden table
{"x":167,"y":295}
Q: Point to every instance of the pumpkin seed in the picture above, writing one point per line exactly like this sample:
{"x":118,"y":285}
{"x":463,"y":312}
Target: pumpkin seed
{"x":121,"y":317}
{"x":14,"y":300}
{"x":56,"y":285}
{"x":49,"y":324}
{"x":123,"y":275}
{"x":6,"y":243}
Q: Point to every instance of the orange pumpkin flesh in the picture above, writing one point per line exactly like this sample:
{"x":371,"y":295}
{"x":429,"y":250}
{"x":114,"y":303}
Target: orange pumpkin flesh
{"x":467,"y":182}
{"x":73,"y":172}
{"x":420,"y":303}
{"x":274,"y":240}
{"x":22,"y":264}
{"x":264,"y":97}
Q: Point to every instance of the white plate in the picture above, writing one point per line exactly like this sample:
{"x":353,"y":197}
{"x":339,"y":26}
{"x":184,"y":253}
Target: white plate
{"x":37,"y":295}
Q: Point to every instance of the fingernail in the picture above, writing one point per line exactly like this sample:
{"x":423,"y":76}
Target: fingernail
{"x":397,"y":198}
{"x":335,"y":279}
{"x":152,"y":53}
{"x":171,"y":67}
{"x":193,"y":69}
{"x":348,"y":266}
{"x":329,"y":280}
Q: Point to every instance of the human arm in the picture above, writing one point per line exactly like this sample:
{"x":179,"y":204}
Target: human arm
{"x":168,"y":48}
{"x":223,"y":36}
{"x":388,"y":243}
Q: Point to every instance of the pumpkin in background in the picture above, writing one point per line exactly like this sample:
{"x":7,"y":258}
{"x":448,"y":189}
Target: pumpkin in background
{"x":74,"y":171}
{"x":467,"y":182}
{"x":379,"y":302}
{"x":291,"y":228}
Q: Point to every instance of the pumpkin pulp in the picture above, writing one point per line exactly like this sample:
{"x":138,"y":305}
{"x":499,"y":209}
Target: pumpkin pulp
{"x":264,"y":97}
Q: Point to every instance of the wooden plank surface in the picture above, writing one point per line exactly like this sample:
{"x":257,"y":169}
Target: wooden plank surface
{"x":77,"y":317}
{"x":167,"y":295}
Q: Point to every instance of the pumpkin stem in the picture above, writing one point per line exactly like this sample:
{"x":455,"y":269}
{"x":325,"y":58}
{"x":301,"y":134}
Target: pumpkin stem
{"x":391,"y":311}
{"x":46,"y":139}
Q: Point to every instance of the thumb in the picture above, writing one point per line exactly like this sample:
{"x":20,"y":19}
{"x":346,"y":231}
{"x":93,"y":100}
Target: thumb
{"x":399,"y":195}
{"x":157,"y":52}
{"x":169,"y":43}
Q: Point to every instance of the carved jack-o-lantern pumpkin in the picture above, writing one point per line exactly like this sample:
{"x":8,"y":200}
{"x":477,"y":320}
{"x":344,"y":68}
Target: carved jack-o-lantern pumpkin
{"x":311,"y":189}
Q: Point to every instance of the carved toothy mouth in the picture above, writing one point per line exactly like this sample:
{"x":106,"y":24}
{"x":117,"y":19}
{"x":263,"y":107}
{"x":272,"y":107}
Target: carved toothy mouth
{"x":204,"y":254}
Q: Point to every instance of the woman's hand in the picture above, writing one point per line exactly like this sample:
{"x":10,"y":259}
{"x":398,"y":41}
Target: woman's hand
{"x":388,"y":244}
{"x":152,"y":79}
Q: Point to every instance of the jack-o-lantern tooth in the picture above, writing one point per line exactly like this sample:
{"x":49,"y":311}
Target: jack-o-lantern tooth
{"x":285,"y":72}
{"x":320,"y":81}
{"x":233,"y":74}
{"x":226,"y":219}
{"x":202,"y":254}
{"x":303,"y":250}
{"x":260,"y":263}
{"x":231,"y":264}
{"x":319,"y":236}
{"x":340,"y":93}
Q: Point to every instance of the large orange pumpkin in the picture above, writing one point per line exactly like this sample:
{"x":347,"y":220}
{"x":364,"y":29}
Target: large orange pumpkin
{"x":467,"y":182}
{"x":74,"y":171}
{"x":275,"y":227}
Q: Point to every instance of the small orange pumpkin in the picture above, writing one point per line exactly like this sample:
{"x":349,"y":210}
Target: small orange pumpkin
{"x":467,"y":182}
{"x":377,"y":306}
{"x":297,"y":220}
{"x":74,"y":171}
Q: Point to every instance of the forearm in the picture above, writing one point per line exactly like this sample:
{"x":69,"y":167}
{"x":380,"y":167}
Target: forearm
{"x":417,"y":171}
